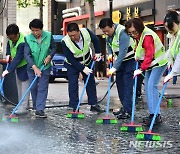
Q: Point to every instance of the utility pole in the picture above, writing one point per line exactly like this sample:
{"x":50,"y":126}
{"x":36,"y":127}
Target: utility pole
{"x":41,"y":10}
{"x":110,"y":15}
{"x":92,"y":17}
{"x":110,"y":8}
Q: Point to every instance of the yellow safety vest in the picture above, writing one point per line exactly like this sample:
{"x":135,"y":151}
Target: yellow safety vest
{"x":160,"y":58}
{"x":115,"y":44}
{"x":176,"y":46}
{"x":84,"y":55}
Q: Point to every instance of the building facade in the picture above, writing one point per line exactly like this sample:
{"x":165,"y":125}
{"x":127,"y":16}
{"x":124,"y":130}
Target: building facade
{"x":7,"y":16}
{"x":151,"y":12}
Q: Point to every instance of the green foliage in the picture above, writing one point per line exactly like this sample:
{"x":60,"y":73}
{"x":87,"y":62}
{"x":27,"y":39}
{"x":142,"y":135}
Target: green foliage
{"x":36,"y":3}
{"x":26,"y":3}
{"x":23,"y":3}
{"x":90,"y":0}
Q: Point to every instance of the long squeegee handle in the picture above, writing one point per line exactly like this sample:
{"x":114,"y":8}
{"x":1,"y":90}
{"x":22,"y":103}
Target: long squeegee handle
{"x":27,"y":91}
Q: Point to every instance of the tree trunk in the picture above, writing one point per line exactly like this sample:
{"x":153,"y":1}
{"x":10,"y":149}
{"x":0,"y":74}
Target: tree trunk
{"x":41,"y":10}
{"x":92,"y":17}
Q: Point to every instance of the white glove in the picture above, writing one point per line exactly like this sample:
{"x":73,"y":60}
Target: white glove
{"x":170,"y":64}
{"x":111,"y":71}
{"x":98,"y":56}
{"x":5,"y":73}
{"x":168,"y":77}
{"x":8,"y":58}
{"x":86,"y":70}
{"x":137,"y":72}
{"x":110,"y":58}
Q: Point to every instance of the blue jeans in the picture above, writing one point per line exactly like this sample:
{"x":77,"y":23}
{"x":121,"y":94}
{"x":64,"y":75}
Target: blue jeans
{"x":125,"y":82}
{"x":39,"y":90}
{"x":152,"y":79}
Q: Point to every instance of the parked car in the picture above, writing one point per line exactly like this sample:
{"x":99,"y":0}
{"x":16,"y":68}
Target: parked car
{"x":57,"y":69}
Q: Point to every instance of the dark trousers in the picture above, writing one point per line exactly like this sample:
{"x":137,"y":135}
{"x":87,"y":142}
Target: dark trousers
{"x":73,"y":87}
{"x":39,"y":90}
{"x":125,"y":82}
{"x":174,"y":79}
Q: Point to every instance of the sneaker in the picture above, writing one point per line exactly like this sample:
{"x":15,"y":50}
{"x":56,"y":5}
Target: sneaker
{"x":158,"y":119}
{"x":147,"y":120}
{"x":21,"y":111}
{"x":96,"y":108}
{"x":121,"y":111}
{"x":124,"y":115}
{"x":40,"y":114}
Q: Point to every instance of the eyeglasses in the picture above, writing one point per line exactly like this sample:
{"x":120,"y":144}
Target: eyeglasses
{"x":133,"y":33}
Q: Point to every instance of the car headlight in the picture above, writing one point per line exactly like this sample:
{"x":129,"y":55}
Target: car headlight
{"x":52,"y":63}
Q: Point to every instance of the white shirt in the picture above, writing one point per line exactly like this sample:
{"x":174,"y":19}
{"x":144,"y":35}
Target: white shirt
{"x":80,"y":42}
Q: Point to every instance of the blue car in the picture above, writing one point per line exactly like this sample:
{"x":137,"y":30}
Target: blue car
{"x":57,"y":69}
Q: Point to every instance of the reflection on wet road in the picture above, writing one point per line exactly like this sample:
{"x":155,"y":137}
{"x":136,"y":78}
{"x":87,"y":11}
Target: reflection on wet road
{"x":59,"y":135}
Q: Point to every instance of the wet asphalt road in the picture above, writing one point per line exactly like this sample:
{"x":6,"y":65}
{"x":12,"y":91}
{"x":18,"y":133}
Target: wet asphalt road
{"x":59,"y":135}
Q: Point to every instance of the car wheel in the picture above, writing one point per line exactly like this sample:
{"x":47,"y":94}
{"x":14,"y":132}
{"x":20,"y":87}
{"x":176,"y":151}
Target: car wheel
{"x":51,"y":79}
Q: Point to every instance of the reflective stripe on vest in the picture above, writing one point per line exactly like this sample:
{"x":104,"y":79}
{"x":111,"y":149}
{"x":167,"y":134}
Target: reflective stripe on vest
{"x":83,"y":56}
{"x":160,"y":58}
{"x":176,"y":46}
{"x":115,"y":44}
{"x":13,"y":49}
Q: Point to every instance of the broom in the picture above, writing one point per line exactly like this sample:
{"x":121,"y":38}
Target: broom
{"x":107,"y":119}
{"x":131,"y":127}
{"x":12,"y":117}
{"x":78,"y":114}
{"x":149,"y":135}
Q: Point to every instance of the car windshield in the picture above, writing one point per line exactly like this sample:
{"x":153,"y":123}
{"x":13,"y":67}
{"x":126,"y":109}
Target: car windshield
{"x":57,"y":39}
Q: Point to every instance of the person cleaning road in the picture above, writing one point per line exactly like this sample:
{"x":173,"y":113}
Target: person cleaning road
{"x":150,"y":50}
{"x":171,"y":23}
{"x":76,"y":46}
{"x":39,"y":50}
{"x":15,"y":49}
{"x":120,"y":46}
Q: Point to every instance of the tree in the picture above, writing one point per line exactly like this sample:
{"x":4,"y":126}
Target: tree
{"x":92,"y":17}
{"x":26,"y":3}
{"x":41,"y":10}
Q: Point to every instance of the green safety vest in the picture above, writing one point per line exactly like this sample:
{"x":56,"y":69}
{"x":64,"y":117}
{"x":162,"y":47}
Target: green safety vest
{"x":13,"y":49}
{"x":160,"y":58}
{"x":115,"y":44}
{"x":83,"y":56}
{"x":40,"y":51}
{"x":176,"y":46}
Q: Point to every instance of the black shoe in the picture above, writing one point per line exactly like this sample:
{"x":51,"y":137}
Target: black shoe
{"x":158,"y":119}
{"x":124,"y":115}
{"x":121,"y":111}
{"x":40,"y":114}
{"x":147,"y":120}
{"x":96,"y":108}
